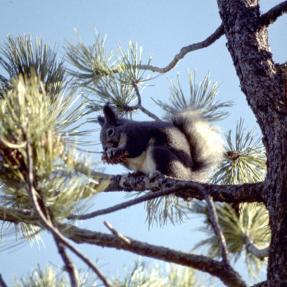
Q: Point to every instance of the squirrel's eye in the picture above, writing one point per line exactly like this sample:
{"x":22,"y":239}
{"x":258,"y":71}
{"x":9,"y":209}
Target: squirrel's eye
{"x":110,"y":132}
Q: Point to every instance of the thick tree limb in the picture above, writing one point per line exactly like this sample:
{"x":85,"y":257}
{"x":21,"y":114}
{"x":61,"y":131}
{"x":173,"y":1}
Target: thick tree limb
{"x":188,"y":189}
{"x":271,"y":16}
{"x":182,"y":188}
{"x":202,"y":263}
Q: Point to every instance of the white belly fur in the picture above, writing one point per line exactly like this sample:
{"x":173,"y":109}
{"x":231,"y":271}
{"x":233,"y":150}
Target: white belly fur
{"x":143,"y":163}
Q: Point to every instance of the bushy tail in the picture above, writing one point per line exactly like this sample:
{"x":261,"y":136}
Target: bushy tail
{"x":206,"y":144}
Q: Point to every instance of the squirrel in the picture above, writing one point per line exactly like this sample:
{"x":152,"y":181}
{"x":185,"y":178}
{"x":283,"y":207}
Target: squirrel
{"x":185,"y":147}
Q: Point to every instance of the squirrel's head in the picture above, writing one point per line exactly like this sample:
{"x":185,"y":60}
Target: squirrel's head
{"x":110,"y":132}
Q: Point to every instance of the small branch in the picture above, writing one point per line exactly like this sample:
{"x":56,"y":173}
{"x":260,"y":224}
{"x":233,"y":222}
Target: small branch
{"x":217,"y":230}
{"x":116,"y":233}
{"x":226,"y":274}
{"x":69,"y":266}
{"x":261,"y":284}
{"x":185,"y":50}
{"x":2,"y":282}
{"x":253,"y":249}
{"x":86,"y":170}
{"x":271,"y":16}
{"x":17,"y":215}
{"x":146,"y":197}
{"x":47,"y":222}
{"x":139,"y":105}
{"x":265,"y":20}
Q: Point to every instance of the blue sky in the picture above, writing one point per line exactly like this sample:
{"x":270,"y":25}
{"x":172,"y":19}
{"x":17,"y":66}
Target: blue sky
{"x":162,"y":27}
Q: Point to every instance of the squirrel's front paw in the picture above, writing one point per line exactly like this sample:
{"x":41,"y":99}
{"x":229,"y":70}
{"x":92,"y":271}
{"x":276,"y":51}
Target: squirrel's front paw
{"x":111,"y":153}
{"x":114,"y":155}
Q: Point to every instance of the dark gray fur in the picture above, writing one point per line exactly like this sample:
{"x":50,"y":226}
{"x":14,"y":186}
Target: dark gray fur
{"x":186,"y":147}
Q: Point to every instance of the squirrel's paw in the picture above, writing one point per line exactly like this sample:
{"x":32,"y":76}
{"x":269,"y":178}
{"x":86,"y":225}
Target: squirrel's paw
{"x":114,"y":155}
{"x":153,"y":176}
{"x":111,"y":153}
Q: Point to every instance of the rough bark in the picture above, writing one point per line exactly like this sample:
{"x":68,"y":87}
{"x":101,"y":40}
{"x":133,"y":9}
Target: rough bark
{"x":188,"y":189}
{"x":262,"y":83}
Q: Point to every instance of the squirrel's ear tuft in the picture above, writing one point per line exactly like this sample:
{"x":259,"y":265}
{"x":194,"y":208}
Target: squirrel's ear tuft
{"x":101,"y":120}
{"x":110,"y":115}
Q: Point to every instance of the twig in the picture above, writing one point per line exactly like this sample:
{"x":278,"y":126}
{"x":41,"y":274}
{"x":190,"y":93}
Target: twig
{"x":123,"y":205}
{"x":69,"y":266}
{"x":49,"y":225}
{"x":271,"y":16}
{"x":185,"y":50}
{"x":261,"y":284}
{"x":2,"y":282}
{"x":139,"y":105}
{"x":116,"y":233}
{"x":217,"y":230}
{"x":253,"y":249}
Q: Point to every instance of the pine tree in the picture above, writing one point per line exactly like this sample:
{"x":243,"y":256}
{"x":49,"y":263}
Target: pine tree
{"x":46,"y":184}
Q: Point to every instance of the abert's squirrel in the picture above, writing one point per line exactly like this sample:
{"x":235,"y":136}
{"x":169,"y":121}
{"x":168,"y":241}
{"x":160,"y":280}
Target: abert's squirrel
{"x":186,"y":147}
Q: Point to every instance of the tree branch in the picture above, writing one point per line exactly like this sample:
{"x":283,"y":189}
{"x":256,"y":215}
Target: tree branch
{"x":185,"y":50}
{"x":17,"y":215}
{"x":123,"y":205}
{"x":47,"y":223}
{"x":116,"y":233}
{"x":261,"y":284}
{"x":69,"y":266}
{"x":266,"y":19}
{"x":139,"y":105}
{"x":252,"y":192}
{"x":202,"y":263}
{"x":2,"y":282}
{"x":253,"y":249}
{"x":217,"y":230}
{"x":271,"y":16}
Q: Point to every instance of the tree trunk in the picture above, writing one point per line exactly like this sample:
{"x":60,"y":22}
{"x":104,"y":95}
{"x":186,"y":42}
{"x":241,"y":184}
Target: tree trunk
{"x":263,"y":86}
